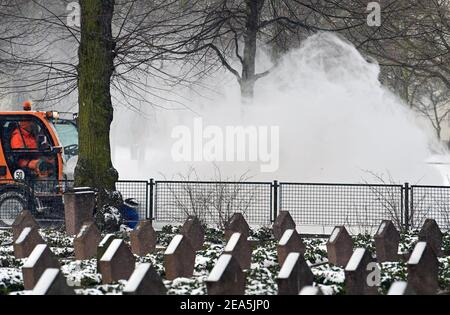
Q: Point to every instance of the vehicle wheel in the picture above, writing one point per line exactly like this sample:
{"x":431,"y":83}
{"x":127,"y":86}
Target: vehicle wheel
{"x":11,"y":204}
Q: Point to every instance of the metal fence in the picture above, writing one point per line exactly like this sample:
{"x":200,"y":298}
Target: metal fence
{"x":310,"y":204}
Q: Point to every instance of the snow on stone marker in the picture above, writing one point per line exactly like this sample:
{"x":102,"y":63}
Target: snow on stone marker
{"x":294,"y":275}
{"x":310,"y":290}
{"x":387,"y":240}
{"x":282,"y":223}
{"x":290,"y":242}
{"x":431,"y":233}
{"x":145,"y":281}
{"x":52,"y":282}
{"x":357,"y":274}
{"x":237,"y":224}
{"x":117,"y":262}
{"x":26,"y":242}
{"x":86,"y":242}
{"x":226,"y":277}
{"x":193,"y":230}
{"x":239,"y":247}
{"x":24,"y":219}
{"x":339,"y":247}
{"x":423,"y":269}
{"x":143,"y":238}
{"x":39,"y":260}
{"x":400,"y":288}
{"x":179,"y":258}
{"x":79,"y":206}
{"x":103,"y":246}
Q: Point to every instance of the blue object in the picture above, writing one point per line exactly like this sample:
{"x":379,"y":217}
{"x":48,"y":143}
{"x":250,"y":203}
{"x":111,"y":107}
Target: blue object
{"x":129,"y":212}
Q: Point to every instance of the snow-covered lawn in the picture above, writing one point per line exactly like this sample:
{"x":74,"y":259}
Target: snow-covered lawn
{"x":261,"y":278}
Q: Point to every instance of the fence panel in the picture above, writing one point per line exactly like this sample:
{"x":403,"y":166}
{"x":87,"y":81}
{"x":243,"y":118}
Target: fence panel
{"x":353,"y":205}
{"x":212,"y":202}
{"x":430,"y":202}
{"x":137,"y":191}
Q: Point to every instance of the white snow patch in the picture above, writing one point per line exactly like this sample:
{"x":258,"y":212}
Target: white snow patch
{"x":232,"y":242}
{"x":173,"y":244}
{"x":105,"y":239}
{"x":381,"y":228}
{"x":288,"y":265}
{"x":34,"y":256}
{"x":219,"y":268}
{"x":397,"y":288}
{"x":136,"y":277}
{"x":112,"y":249}
{"x":23,"y":235}
{"x":309,"y":290}
{"x":334,"y":234}
{"x":355,"y":260}
{"x":417,"y":253}
{"x":45,"y":281}
{"x":285,"y":238}
{"x":82,"y":230}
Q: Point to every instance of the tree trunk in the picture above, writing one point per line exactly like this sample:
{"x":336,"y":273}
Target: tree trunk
{"x":94,"y":168}
{"x":248,"y":77}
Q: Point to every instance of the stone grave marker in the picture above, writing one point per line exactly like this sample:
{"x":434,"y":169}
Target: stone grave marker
{"x":24,"y":219}
{"x":86,"y":242}
{"x":237,"y":224}
{"x":145,"y":281}
{"x":226,"y":278}
{"x":117,"y":262}
{"x":193,"y":230}
{"x":358,"y":277}
{"x":310,"y":290}
{"x":290,"y":242}
{"x":239,"y":247}
{"x":339,"y":247}
{"x":282,"y":223}
{"x":387,"y":239}
{"x":294,"y":275}
{"x":143,"y":238}
{"x":423,"y":269}
{"x":400,"y":288}
{"x":26,"y":242}
{"x":79,"y":205}
{"x":179,"y":258}
{"x":39,"y":260}
{"x":431,"y":233}
{"x":52,"y":282}
{"x":103,"y":246}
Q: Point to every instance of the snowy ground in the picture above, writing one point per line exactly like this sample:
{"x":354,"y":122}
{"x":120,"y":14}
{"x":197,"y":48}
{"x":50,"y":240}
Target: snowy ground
{"x":261,"y":278}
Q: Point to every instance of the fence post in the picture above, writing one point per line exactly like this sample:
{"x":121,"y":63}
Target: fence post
{"x":276,"y":185}
{"x":406,"y":205}
{"x":150,"y":206}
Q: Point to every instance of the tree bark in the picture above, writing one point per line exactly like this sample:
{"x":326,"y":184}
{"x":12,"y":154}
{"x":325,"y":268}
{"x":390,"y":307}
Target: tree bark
{"x":248,"y":77}
{"x":96,"y":56}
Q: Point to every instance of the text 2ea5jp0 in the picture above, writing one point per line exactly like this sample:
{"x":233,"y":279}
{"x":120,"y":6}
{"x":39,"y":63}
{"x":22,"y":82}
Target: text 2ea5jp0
{"x":248,"y":305}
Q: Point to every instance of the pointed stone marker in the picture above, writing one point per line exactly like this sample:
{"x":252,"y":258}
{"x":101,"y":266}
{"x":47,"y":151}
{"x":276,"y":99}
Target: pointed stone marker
{"x":143,"y":238}
{"x":310,"y":290}
{"x":294,"y":275}
{"x":226,"y":278}
{"x":387,"y":239}
{"x":86,"y":242}
{"x":145,"y":281}
{"x":431,"y":233}
{"x":39,"y":260}
{"x":193,"y":230}
{"x":237,"y":224}
{"x":52,"y":282}
{"x":239,"y":247}
{"x":103,"y":246}
{"x":117,"y":262}
{"x":339,"y":247}
{"x":358,"y":280}
{"x":26,"y":242}
{"x":423,"y":270}
{"x":24,"y":219}
{"x":282,"y":223}
{"x":290,"y":242}
{"x":400,"y":288}
{"x":79,"y":207}
{"x":179,"y":258}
